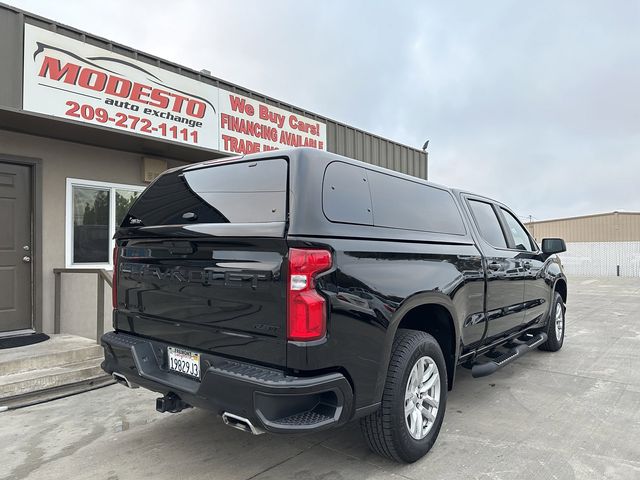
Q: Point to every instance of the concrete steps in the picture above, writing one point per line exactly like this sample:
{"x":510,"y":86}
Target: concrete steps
{"x":60,"y":366}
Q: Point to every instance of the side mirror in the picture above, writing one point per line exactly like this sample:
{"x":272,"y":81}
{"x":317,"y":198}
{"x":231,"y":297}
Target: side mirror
{"x":553,"y":245}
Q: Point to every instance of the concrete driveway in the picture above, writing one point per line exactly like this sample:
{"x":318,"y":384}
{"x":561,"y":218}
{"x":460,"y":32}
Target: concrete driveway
{"x":572,"y":414}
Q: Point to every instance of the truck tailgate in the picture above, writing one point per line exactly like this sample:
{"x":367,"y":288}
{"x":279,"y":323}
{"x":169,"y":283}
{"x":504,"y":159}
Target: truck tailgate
{"x":216,"y":295}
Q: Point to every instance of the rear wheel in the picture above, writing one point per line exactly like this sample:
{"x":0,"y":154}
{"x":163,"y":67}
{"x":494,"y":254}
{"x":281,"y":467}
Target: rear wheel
{"x":413,"y":403}
{"x":555,"y":325}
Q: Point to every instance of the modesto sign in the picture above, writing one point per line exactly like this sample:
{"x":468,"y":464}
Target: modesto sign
{"x":70,"y":79}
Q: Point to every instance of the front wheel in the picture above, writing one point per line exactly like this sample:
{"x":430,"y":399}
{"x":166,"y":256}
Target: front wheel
{"x":413,"y":402}
{"x":555,"y":325}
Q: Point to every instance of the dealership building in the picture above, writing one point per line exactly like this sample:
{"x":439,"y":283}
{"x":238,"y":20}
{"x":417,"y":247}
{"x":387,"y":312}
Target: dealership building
{"x":85,"y":124}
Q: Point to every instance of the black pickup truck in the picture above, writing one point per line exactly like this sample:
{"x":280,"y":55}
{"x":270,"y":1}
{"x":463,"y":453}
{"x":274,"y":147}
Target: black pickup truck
{"x":294,"y":291}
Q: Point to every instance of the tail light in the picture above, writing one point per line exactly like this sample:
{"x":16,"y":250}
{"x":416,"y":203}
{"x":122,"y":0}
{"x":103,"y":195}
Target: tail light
{"x":114,"y":281}
{"x":306,"y":316}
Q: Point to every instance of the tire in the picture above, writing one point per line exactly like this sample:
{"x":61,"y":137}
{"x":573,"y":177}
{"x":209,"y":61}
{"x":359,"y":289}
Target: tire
{"x":555,"y":328}
{"x":387,"y":431}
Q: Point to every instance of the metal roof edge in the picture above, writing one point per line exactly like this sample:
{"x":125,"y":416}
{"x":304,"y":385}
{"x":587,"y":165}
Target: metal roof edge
{"x":578,"y":217}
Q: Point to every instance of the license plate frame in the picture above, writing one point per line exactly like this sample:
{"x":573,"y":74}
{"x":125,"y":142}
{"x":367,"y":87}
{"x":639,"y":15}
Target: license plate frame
{"x":184,"y":362}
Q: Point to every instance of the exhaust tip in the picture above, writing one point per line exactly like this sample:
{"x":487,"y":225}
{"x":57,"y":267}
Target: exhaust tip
{"x":122,"y":380}
{"x":240,"y":423}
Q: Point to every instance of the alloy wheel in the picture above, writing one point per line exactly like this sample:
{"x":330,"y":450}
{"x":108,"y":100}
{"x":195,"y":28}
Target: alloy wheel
{"x":559,"y":320}
{"x":422,"y":397}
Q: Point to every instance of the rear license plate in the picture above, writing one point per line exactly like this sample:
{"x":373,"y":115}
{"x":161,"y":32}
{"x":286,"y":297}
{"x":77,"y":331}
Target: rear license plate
{"x":184,"y":361}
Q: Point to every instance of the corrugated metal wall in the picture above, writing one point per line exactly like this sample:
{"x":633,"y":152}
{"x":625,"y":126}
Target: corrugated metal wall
{"x":597,"y":245}
{"x":341,"y":138}
{"x":354,"y":143}
{"x":608,"y":227}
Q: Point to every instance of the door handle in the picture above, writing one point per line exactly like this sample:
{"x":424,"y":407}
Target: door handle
{"x":493,"y":266}
{"x":26,"y":259}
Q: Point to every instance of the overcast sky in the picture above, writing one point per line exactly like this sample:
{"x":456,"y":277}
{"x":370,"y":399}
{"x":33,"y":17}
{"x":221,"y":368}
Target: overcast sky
{"x":536,"y":104}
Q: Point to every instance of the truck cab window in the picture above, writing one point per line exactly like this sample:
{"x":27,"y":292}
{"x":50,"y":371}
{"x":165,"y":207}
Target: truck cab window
{"x":520,"y":236}
{"x":488,"y":223}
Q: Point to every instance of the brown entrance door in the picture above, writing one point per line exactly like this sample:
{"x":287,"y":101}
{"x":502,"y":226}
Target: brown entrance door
{"x":15,"y":247}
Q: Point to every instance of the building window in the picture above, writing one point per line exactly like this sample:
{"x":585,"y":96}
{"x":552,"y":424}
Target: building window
{"x":94,"y":210}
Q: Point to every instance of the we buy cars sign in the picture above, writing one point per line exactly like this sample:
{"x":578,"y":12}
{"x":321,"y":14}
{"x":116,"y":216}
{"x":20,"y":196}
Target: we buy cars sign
{"x":249,"y":126}
{"x":77,"y":81}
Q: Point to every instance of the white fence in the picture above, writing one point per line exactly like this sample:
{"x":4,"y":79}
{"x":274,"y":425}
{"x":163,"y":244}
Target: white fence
{"x":602,"y":259}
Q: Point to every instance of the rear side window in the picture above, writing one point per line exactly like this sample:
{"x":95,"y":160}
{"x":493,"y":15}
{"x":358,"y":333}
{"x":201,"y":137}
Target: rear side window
{"x":248,"y":192}
{"x":345,"y":194}
{"x":400,"y":203}
{"x":357,"y":195}
{"x":488,"y":223}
